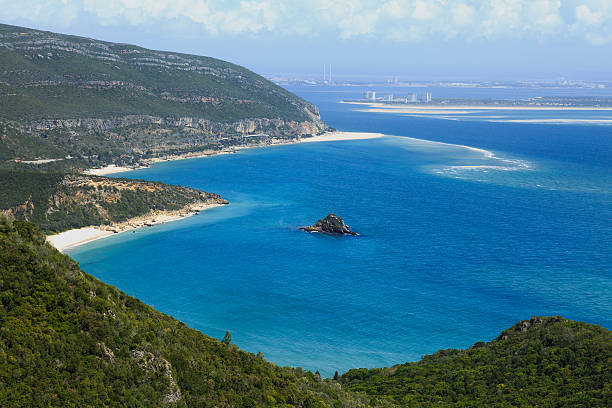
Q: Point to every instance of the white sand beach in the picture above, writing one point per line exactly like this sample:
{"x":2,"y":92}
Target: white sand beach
{"x":75,"y":237}
{"x":326,"y":137}
{"x":71,"y":238}
{"x":110,"y":169}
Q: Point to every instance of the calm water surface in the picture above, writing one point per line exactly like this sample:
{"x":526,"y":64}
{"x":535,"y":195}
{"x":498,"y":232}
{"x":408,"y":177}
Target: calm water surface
{"x":448,"y":255}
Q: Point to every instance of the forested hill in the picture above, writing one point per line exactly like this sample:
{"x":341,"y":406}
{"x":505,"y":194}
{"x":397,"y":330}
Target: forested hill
{"x":541,"y":362}
{"x":121,"y":103}
{"x":58,"y":202}
{"x":69,"y":340}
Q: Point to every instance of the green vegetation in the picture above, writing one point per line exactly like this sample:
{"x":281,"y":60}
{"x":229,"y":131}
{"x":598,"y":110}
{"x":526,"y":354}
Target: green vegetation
{"x":58,"y":202}
{"x":54,"y":76}
{"x":545,"y":361}
{"x":101,"y":102}
{"x":68,"y":340}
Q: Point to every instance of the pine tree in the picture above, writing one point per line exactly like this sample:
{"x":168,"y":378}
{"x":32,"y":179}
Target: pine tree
{"x":227,"y":339}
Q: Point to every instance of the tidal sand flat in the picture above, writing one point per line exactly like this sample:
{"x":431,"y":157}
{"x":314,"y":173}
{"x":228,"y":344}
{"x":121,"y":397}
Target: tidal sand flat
{"x":462,"y":109}
{"x":340,"y":136}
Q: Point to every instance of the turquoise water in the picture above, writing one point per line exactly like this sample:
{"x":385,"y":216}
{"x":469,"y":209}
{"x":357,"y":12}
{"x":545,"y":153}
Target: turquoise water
{"x":448,"y":255}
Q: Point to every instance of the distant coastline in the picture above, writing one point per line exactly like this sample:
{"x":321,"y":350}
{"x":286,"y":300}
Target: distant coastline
{"x":420,"y":108}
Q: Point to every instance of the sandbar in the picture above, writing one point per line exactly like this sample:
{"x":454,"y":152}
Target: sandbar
{"x":339,"y":136}
{"x":462,"y":109}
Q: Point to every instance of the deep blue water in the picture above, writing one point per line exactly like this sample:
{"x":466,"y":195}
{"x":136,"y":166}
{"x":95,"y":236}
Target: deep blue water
{"x":447,"y":255}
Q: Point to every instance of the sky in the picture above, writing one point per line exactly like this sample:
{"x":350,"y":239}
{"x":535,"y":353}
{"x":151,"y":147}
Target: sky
{"x":407,"y":39}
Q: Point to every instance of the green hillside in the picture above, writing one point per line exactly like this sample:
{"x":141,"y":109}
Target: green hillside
{"x":58,"y":202}
{"x":69,"y":340}
{"x":58,"y":76}
{"x":542,"y":362}
{"x":107,"y":102}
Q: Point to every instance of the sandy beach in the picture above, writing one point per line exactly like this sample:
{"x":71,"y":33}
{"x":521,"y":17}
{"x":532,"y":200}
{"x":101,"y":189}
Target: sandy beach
{"x":326,"y":137}
{"x":75,"y":237}
{"x":110,"y":169}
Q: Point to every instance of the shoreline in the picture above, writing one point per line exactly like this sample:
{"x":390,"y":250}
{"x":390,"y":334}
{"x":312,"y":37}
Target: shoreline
{"x":326,"y":137}
{"x":73,"y":238}
{"x":426,"y":108}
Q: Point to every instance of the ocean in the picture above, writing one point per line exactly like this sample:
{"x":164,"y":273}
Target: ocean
{"x":467,"y":225}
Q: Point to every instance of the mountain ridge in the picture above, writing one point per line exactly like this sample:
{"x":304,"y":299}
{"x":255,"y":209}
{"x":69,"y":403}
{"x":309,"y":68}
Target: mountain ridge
{"x":100,"y":102}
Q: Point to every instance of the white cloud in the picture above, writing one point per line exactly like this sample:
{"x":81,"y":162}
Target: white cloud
{"x":385,"y":20}
{"x":585,"y":16}
{"x":463,"y":14}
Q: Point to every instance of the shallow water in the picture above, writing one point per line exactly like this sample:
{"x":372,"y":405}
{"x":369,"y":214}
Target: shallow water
{"x":448,"y":255}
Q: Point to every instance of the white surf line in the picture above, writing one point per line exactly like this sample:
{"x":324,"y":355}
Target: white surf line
{"x":518,"y":164}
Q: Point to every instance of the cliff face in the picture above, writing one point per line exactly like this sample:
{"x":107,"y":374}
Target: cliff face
{"x":111,"y":103}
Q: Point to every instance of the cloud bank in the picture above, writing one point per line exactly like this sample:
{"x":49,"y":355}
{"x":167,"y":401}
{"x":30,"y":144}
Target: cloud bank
{"x":385,"y":20}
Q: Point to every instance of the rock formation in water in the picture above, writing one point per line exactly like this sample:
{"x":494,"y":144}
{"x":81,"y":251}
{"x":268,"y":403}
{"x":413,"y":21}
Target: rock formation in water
{"x":332,"y":224}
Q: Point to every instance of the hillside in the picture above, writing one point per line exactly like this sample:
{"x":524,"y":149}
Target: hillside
{"x":58,"y":202}
{"x":67,"y":339}
{"x":104,"y":102}
{"x":544,"y":361}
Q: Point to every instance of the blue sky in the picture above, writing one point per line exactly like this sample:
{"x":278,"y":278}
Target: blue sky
{"x":410,"y":39}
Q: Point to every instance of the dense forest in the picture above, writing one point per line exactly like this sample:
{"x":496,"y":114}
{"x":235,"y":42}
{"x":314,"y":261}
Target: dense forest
{"x":67,"y":339}
{"x":544,"y":361}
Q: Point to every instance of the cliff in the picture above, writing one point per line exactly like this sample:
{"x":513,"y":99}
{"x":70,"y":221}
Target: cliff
{"x":100,"y":102}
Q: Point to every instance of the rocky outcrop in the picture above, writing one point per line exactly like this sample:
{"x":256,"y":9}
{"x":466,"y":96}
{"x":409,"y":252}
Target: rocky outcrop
{"x":155,"y":367}
{"x":525,"y":325}
{"x":332,"y":224}
{"x":277,"y":127}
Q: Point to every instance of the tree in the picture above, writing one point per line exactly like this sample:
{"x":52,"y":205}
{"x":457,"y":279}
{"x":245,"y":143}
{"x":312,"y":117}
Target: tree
{"x":336,"y":376}
{"x":227,"y":339}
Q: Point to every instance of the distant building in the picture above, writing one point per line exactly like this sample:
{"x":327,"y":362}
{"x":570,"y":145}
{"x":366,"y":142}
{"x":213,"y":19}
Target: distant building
{"x":370,"y":95}
{"x":413,"y":98}
{"x":427,"y":97}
